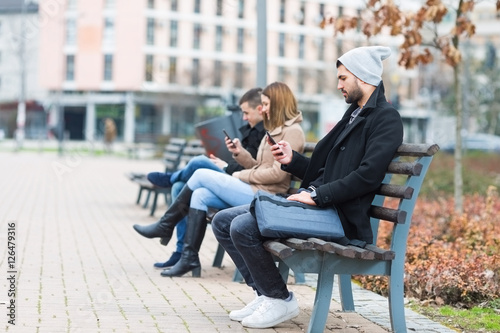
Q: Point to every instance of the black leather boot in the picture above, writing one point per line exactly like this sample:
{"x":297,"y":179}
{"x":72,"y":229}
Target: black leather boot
{"x":195,"y":232}
{"x":165,"y":226}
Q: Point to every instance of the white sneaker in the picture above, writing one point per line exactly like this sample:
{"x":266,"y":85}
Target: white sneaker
{"x":238,"y":315}
{"x":271,"y":312}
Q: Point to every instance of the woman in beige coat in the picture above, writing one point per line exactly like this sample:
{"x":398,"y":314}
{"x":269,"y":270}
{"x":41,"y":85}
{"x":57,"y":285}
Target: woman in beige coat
{"x":208,"y":188}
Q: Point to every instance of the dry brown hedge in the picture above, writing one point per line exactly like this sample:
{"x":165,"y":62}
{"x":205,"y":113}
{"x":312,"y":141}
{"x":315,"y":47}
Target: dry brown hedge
{"x":451,"y":258}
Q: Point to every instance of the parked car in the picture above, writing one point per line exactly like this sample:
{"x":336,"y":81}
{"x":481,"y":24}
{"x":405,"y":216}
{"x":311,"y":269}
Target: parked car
{"x":478,"y":141}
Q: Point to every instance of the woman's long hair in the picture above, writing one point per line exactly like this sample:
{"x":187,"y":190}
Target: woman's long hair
{"x":283,"y":105}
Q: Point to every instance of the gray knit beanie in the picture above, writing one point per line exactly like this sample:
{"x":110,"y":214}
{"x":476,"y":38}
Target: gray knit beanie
{"x":366,"y":62}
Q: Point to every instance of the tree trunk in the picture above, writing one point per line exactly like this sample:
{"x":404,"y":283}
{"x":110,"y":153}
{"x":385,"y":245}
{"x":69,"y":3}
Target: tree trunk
{"x":458,"y":140}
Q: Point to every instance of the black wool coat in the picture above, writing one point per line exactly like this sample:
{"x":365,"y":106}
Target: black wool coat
{"x":354,"y":162}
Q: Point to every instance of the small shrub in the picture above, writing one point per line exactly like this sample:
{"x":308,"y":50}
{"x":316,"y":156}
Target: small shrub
{"x":451,"y":258}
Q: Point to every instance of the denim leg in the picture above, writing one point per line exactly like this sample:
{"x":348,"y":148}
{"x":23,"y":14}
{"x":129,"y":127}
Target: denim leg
{"x":181,"y":226}
{"x":221,"y":224}
{"x":249,"y":242}
{"x":197,"y":162}
{"x":219,"y":190}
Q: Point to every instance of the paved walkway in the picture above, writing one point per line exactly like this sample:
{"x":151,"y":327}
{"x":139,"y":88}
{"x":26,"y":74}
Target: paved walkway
{"x":80,"y":267}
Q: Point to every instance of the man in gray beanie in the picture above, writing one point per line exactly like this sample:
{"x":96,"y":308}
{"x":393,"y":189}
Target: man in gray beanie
{"x":344,"y":171}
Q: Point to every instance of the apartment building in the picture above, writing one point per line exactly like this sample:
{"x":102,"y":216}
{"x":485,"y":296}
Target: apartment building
{"x":152,"y":65}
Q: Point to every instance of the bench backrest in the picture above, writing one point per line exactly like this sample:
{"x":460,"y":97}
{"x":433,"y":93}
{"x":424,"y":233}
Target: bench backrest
{"x":172,"y":153}
{"x":401,"y":185}
{"x":193,"y":148}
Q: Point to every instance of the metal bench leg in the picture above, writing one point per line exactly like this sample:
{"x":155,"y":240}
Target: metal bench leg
{"x":284,"y":270}
{"x":146,"y":202}
{"x":153,"y":205}
{"x":322,"y":300}
{"x":396,"y":300}
{"x":299,"y":278}
{"x":139,"y":195}
{"x":345,"y":290}
{"x":219,"y":255}
{"x":237,"y":277}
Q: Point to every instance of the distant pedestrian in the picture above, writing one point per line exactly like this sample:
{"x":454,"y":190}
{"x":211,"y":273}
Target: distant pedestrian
{"x":109,"y":133}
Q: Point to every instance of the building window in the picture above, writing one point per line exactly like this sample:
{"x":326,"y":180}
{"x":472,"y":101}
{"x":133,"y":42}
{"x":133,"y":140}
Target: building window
{"x":302,"y":16}
{"x":281,"y":74}
{"x":70,"y":67}
{"x":300,"y":80}
{"x":218,"y":38}
{"x":320,"y":42}
{"x":241,"y":8}
{"x":72,"y":4}
{"x":302,"y":47}
{"x":109,"y":4}
{"x":172,"y":70}
{"x":108,"y":67}
{"x":281,"y":45}
{"x":173,"y":33}
{"x":0,"y":83}
{"x":219,"y":7}
{"x":173,"y":5}
{"x":218,"y":73}
{"x":109,"y":30}
{"x":320,"y":78}
{"x":150,"y":32}
{"x":197,"y":6}
{"x":238,"y":80}
{"x":70,"y":31}
{"x":151,"y":4}
{"x":149,"y":68}
{"x":241,"y":40}
{"x":197,"y":36}
{"x":282,"y":11}
{"x":195,"y":75}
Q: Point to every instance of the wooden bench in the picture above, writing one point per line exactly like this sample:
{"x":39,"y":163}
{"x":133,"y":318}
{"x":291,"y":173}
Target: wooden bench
{"x":294,"y":186}
{"x":176,"y":155}
{"x":402,"y":183}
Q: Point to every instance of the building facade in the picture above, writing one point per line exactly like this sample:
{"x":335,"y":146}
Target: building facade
{"x":152,"y":65}
{"x":19,"y":45}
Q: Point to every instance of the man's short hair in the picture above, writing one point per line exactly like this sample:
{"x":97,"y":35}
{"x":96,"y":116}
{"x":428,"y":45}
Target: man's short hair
{"x":252,"y":97}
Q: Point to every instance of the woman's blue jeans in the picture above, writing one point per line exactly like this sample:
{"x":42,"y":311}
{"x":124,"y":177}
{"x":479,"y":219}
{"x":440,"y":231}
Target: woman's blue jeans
{"x":197,"y":162}
{"x":237,"y":231}
{"x":217,"y":190}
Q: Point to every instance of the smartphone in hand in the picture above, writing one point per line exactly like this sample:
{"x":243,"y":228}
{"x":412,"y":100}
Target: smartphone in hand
{"x":272,"y":141}
{"x":227,"y":135}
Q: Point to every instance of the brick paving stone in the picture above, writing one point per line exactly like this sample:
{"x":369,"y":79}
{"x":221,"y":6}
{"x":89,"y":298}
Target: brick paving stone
{"x":82,"y":268}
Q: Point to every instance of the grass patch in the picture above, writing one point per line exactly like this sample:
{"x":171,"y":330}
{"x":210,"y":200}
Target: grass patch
{"x":479,"y":319}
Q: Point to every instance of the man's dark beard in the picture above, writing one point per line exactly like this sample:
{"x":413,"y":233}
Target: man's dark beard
{"x":355,"y":95}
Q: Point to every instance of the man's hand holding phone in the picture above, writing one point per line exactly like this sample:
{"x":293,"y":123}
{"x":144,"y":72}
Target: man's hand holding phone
{"x":234,"y":146}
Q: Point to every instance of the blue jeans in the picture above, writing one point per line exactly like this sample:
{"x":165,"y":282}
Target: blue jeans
{"x":181,"y":226}
{"x":237,"y":231}
{"x":217,"y":190}
{"x":197,"y":162}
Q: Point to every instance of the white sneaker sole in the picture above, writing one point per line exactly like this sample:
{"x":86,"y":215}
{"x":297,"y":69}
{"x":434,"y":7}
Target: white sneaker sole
{"x":289,"y":316}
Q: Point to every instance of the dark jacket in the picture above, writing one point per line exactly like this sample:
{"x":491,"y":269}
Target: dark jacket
{"x":250,"y":140}
{"x":354,"y":166}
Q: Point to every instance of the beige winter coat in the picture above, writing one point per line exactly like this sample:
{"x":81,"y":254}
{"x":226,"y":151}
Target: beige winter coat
{"x":263,"y":172}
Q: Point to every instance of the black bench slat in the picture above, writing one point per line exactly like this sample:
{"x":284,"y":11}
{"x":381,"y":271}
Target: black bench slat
{"x":388,"y":214}
{"x":300,"y":244}
{"x":279,"y":249}
{"x":331,"y":247}
{"x":417,"y":150}
{"x":405,"y":168}
{"x":396,"y":191}
{"x":381,"y":254}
